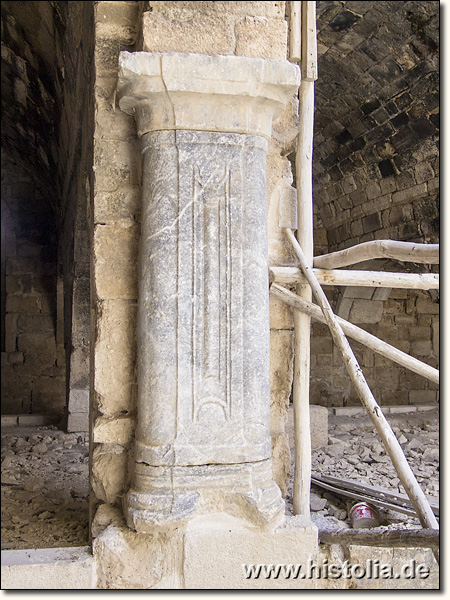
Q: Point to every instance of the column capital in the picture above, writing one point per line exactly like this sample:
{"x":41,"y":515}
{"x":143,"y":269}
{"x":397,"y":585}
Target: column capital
{"x":234,"y":94}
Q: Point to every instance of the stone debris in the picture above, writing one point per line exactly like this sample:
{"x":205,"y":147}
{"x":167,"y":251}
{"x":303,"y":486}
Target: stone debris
{"x":355,"y":452}
{"x":44,"y":488}
{"x":45,"y":477}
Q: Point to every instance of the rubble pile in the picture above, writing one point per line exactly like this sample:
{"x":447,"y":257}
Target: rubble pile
{"x":44,"y":488}
{"x":356,"y":452}
{"x":45,"y":476}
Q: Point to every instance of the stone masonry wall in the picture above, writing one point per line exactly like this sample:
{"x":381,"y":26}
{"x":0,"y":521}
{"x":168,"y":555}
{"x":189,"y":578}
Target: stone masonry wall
{"x":409,"y":321}
{"x":33,"y":362}
{"x":114,"y":219}
{"x":376,"y":176}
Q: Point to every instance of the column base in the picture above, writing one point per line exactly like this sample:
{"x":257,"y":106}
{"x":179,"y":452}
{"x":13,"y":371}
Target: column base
{"x":169,"y":496}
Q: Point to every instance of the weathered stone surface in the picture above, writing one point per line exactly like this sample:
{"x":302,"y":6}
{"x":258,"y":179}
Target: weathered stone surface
{"x":204,"y":34}
{"x":115,"y":256}
{"x":218,"y":541}
{"x":203,"y":333}
{"x":281,"y":461}
{"x":258,"y":36}
{"x":115,"y":356}
{"x":250,"y":82}
{"x":79,"y":401}
{"x":366,"y":311}
{"x":78,"y":422}
{"x":109,"y":466}
{"x":281,"y":316}
{"x":109,"y":430}
{"x":126,"y":560}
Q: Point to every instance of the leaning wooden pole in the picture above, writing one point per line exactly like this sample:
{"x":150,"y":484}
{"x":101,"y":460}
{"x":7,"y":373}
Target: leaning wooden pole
{"x":358,"y":334}
{"x":302,"y":322}
{"x":405,"y":474}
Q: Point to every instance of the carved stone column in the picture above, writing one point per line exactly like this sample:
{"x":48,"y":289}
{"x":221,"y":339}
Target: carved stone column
{"x":202,"y":439}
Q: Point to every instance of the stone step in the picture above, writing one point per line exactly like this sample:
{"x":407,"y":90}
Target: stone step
{"x":48,"y":569}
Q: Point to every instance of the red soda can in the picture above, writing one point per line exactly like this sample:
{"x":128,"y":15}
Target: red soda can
{"x":363,"y":516}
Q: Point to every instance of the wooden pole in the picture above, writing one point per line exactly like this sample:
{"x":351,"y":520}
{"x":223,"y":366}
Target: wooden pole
{"x":404,"y":251}
{"x":404,"y":538}
{"x":302,"y":322}
{"x":358,"y":334}
{"x":393,"y":448}
{"x":413,"y":281}
{"x":295,"y":32}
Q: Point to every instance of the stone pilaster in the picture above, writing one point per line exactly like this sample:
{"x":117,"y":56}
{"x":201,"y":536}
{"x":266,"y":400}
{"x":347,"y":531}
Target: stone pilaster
{"x":202,"y":438}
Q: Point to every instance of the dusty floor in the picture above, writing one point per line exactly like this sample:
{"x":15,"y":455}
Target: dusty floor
{"x":44,"y":488}
{"x":355,"y":452}
{"x":45,"y":476}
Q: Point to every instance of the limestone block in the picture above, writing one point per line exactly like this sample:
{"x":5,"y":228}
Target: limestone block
{"x":109,"y":468}
{"x":78,"y":422}
{"x":184,"y":10}
{"x":407,"y":559}
{"x":426,"y":306}
{"x":223,"y":549}
{"x":115,"y":164}
{"x":15,"y":387}
{"x":202,"y":34}
{"x":285,"y":127}
{"x":79,"y":368}
{"x":79,"y":401}
{"x":279,"y":177}
{"x":281,"y":373}
{"x":281,"y":315}
{"x":105,"y":516}
{"x":48,"y":569}
{"x":111,"y":124}
{"x":49,"y":394}
{"x":281,"y":462}
{"x":13,"y":285}
{"x":258,"y":36}
{"x":422,"y":396}
{"x":114,"y":430}
{"x":123,"y":203}
{"x":38,"y":361}
{"x":127,"y":560}
{"x":115,"y":356}
{"x":421,"y":348}
{"x":15,"y":358}
{"x":22,"y":304}
{"x":318,"y":416}
{"x":35,"y":323}
{"x":366,"y":311}
{"x":435,"y":336}
{"x":115,"y":260}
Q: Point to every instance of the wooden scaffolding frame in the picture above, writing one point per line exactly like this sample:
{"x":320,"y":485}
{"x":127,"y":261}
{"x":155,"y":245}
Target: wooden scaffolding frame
{"x":312,"y":272}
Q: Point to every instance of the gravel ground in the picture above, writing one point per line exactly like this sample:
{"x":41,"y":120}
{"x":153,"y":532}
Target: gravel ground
{"x":355,"y":452}
{"x":45,"y":476}
{"x":44,"y":488}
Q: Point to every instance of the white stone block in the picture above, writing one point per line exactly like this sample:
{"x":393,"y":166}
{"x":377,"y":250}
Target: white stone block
{"x":48,"y":569}
{"x":78,"y":422}
{"x":79,"y":401}
{"x":218,"y":552}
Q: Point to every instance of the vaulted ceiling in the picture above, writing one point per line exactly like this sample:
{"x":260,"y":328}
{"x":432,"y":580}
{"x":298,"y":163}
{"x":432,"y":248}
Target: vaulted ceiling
{"x":376,"y":114}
